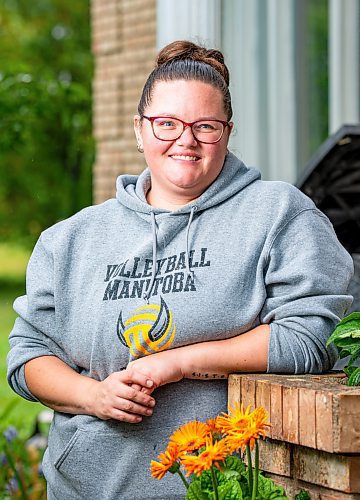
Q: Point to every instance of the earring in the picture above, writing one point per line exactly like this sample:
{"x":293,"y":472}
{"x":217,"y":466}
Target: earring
{"x":140,"y":148}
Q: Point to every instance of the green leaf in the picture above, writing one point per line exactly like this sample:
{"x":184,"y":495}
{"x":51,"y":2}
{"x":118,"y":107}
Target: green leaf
{"x":206,"y":479}
{"x":230,"y":491}
{"x":231,"y":475}
{"x":349,"y":370}
{"x":195,"y":492}
{"x":354,"y":356}
{"x":349,"y":327}
{"x":354,"y":378}
{"x":303,"y":495}
{"x":233,"y":462}
{"x":348,"y":343}
{"x":353,"y":316}
{"x":268,"y":490}
{"x":342,"y":332}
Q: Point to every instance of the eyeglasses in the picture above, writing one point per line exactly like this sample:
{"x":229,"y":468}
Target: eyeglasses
{"x":167,"y":128}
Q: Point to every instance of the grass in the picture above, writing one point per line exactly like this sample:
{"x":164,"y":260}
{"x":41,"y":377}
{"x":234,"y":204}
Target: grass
{"x":13,"y":261}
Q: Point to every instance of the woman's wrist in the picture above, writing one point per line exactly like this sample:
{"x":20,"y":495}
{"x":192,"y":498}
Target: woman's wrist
{"x":85,"y":394}
{"x":199,"y":361}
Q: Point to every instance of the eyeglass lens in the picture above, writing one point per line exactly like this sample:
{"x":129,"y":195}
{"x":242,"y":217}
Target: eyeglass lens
{"x":170,"y":129}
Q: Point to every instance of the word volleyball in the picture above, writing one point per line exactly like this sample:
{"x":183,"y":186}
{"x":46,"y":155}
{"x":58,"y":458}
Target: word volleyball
{"x":132,"y":278}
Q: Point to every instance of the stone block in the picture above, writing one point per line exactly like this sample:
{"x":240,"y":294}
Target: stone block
{"x":276,"y":411}
{"x":275,"y":457}
{"x":294,"y":486}
{"x":307,"y":418}
{"x":331,"y":470}
{"x":234,"y":391}
{"x":347,"y":420}
{"x":314,"y":411}
{"x":324,"y":421}
{"x":248,"y":387}
{"x":291,"y":414}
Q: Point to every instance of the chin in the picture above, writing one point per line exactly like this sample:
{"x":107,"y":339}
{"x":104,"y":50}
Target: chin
{"x":185,"y":183}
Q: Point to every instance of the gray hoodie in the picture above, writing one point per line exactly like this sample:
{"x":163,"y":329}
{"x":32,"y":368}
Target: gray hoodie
{"x":124,"y":279}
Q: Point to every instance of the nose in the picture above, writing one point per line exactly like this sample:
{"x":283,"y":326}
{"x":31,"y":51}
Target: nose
{"x":187,"y":137}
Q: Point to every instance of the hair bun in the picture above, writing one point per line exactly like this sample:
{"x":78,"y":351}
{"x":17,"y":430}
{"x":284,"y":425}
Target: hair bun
{"x":183,"y":49}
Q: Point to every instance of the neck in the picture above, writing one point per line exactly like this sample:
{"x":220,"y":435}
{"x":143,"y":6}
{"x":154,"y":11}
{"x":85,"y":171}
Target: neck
{"x":159,"y":200}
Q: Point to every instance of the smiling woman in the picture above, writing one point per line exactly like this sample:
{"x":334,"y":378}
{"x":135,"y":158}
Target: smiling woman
{"x":183,"y":159}
{"x":137,"y":310}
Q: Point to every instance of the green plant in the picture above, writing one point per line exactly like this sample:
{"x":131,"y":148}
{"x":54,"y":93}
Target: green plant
{"x":20,"y":472}
{"x":346,"y":337}
{"x":209,"y":453}
{"x":302,"y":495}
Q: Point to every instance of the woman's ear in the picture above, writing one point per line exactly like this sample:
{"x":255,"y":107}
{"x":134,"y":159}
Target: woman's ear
{"x":137,"y":130}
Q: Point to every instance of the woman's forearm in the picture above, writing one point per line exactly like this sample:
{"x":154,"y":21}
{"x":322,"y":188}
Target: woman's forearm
{"x":58,"y":386}
{"x":217,"y":359}
{"x":210,"y":360}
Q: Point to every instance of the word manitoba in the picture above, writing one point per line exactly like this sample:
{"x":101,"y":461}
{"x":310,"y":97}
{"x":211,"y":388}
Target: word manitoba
{"x":132,"y":278}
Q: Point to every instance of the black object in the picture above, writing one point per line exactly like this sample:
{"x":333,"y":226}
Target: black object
{"x":332,"y":180}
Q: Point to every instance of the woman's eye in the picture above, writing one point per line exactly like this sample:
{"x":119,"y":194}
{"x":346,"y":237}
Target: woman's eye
{"x":166,"y":124}
{"x":204,"y":126}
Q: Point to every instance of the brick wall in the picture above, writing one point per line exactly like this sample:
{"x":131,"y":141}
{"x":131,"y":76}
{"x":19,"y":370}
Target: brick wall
{"x":124,"y":48}
{"x":314,"y":438}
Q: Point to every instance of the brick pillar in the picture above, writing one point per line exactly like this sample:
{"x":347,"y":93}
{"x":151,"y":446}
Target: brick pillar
{"x":124,"y":47}
{"x":314,"y":439}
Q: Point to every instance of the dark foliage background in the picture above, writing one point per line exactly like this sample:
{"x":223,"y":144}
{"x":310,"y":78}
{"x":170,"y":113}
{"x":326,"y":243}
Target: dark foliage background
{"x":46,"y":146}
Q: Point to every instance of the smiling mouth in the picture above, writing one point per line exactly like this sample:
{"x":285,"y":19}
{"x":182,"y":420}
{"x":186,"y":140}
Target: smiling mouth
{"x":185,"y":157}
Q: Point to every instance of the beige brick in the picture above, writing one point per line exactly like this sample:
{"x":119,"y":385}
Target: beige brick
{"x":347,"y":414}
{"x":291,"y":414}
{"x":294,"y":486}
{"x":331,"y":470}
{"x":307,"y":418}
{"x":234,"y":390}
{"x":275,"y":457}
{"x":124,"y":45}
{"x":324,"y":421}
{"x":276,"y":411}
{"x":248,"y":392}
{"x":262,"y":396}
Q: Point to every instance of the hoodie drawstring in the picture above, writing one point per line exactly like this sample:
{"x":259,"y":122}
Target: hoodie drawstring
{"x":154,"y":249}
{"x":190,"y":272}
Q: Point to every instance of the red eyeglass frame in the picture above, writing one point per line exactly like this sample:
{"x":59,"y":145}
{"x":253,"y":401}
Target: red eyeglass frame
{"x":185,"y":124}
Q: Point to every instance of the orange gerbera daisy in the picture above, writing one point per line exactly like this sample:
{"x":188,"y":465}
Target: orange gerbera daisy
{"x":255,"y":428}
{"x":190,"y":436}
{"x":213,"y":453}
{"x":260,"y":417}
{"x":212,"y":426}
{"x":235,"y":442}
{"x":235,"y":421}
{"x":168,"y":460}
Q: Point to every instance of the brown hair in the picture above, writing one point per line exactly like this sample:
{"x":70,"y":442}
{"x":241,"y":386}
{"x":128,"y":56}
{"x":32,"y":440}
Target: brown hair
{"x":184,"y":60}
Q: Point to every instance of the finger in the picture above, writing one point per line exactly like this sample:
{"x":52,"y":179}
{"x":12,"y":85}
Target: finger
{"x":130,"y":418}
{"x":137,"y":387}
{"x":130,"y":376}
{"x":132,"y":394}
{"x":128,"y":406}
{"x":146,"y":390}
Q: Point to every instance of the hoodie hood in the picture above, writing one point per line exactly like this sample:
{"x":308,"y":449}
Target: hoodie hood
{"x":234,"y":177}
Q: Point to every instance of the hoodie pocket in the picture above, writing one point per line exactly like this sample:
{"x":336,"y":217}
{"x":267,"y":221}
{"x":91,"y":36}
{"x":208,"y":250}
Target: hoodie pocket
{"x":70,"y":445}
{"x":109,"y":464}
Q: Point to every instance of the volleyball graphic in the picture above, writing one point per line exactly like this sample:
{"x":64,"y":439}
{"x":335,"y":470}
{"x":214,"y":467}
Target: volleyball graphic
{"x":151,"y":329}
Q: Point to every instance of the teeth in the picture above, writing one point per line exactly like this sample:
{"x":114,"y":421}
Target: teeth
{"x":187,"y":158}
